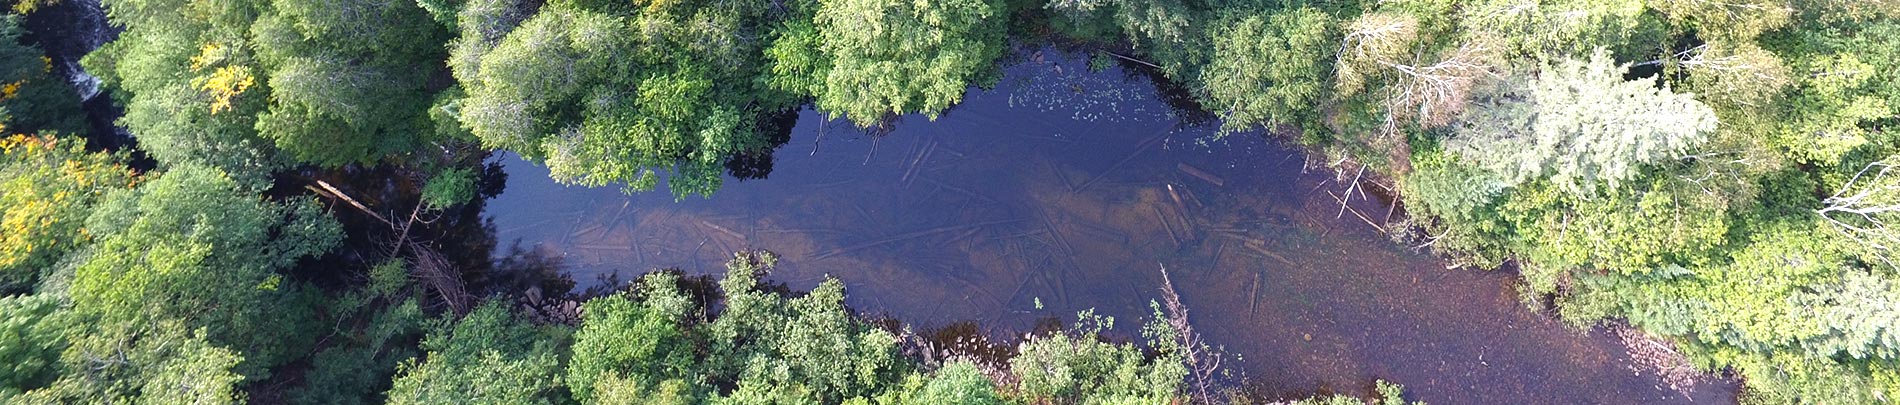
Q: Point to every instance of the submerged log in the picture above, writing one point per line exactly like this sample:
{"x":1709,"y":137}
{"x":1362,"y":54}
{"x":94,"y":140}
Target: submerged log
{"x":907,"y":236}
{"x":723,"y":230}
{"x":1143,"y":147}
{"x":1201,"y":174}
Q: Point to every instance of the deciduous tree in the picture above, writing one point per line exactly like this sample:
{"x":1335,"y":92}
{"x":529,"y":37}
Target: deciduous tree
{"x":48,"y":187}
{"x":904,"y":57}
{"x":194,"y":247}
{"x":1270,"y":70}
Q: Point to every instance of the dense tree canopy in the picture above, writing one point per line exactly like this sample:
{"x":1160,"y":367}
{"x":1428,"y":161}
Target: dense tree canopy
{"x":194,"y":247}
{"x":177,"y":297}
{"x":348,"y":81}
{"x":610,"y":94}
{"x":48,"y":187}
{"x":248,"y":86}
{"x":884,"y":57}
{"x":1270,"y":70}
{"x":657,"y":343}
{"x":490,"y":356}
{"x":1744,"y":222}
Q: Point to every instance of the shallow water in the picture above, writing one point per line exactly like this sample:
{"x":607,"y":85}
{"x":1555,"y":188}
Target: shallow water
{"x":1064,"y":190}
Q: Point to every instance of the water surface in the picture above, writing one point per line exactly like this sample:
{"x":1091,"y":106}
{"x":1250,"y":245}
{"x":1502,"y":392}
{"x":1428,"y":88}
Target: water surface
{"x":1064,"y":190}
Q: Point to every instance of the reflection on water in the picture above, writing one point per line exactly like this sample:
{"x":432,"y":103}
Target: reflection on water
{"x":1064,"y":190}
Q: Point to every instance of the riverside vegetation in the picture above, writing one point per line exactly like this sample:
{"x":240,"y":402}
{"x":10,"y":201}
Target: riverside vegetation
{"x":1714,"y":174}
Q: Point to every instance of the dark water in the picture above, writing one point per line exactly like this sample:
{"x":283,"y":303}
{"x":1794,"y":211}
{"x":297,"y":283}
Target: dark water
{"x":1064,"y":190}
{"x":68,"y":30}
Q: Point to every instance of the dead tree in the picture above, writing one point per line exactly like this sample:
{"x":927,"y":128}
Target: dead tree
{"x":1203,"y":361}
{"x":1862,"y":207}
{"x":1432,"y":93}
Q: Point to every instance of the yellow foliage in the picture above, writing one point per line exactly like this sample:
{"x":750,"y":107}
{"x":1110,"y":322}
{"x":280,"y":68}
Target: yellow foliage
{"x":44,"y":189}
{"x":25,"y":7}
{"x":224,"y":84}
{"x":46,"y":65}
{"x":208,"y":55}
{"x":654,"y":6}
{"x":7,"y":91}
{"x":26,"y":144}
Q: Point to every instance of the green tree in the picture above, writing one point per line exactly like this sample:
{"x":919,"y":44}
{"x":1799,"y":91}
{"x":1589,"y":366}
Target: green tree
{"x":1739,"y":20}
{"x":1859,"y":316}
{"x":633,"y":346}
{"x":48,"y":187}
{"x":189,"y":84}
{"x":1579,"y":123}
{"x":31,"y":338}
{"x":1270,"y":70}
{"x":1844,"y":87}
{"x":163,"y":365}
{"x":1638,"y":228}
{"x":490,"y":356}
{"x":375,"y":330}
{"x":956,"y":383}
{"x":1542,"y":31}
{"x":348,"y":80}
{"x":1076,"y":367}
{"x":901,"y":57}
{"x":608,"y":94}
{"x":807,"y":349}
{"x":249,"y":86}
{"x":194,"y":247}
{"x":1457,"y":204}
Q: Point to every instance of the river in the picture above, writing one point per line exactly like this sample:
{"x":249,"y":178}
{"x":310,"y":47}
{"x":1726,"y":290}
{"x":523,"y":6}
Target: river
{"x":68,"y":30}
{"x":1064,"y":190}
{"x":1059,"y":191}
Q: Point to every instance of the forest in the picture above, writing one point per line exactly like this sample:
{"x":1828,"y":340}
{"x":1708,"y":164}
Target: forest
{"x":1715,"y":174}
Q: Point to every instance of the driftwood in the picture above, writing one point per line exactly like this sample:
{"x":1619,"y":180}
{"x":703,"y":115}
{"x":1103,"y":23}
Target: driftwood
{"x":1355,"y":212}
{"x":723,"y":230}
{"x":1253,"y":296}
{"x":1132,"y":59}
{"x":428,"y":266}
{"x":959,"y":190}
{"x":1259,"y":246}
{"x":1056,"y":233}
{"x":916,"y":165}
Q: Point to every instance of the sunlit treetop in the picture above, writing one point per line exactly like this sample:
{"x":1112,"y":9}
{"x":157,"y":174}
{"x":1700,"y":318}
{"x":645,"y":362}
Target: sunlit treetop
{"x":904,"y":57}
{"x":608,"y":94}
{"x":48,"y":186}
